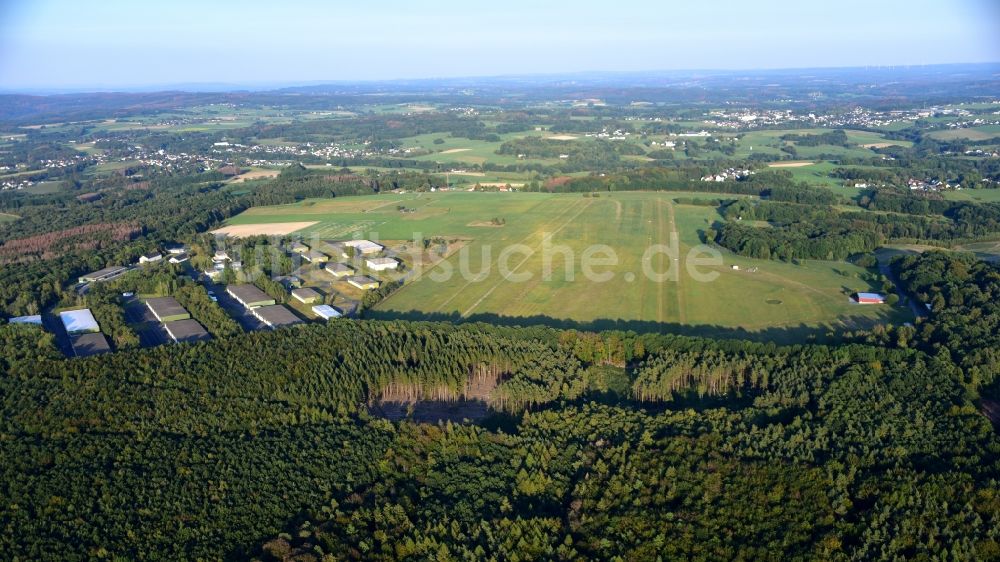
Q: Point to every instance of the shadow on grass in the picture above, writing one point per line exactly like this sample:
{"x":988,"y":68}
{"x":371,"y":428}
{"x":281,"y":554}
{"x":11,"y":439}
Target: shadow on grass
{"x":800,"y":333}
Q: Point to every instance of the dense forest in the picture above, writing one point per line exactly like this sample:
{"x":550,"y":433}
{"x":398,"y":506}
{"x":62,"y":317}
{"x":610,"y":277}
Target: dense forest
{"x":602,"y":446}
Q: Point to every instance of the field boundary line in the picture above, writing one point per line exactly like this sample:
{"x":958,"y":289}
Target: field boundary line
{"x":522,"y":262}
{"x":528,"y":237}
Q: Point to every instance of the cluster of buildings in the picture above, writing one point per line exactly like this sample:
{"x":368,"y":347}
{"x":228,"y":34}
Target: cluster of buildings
{"x":983,"y":153}
{"x":604,"y":133}
{"x":759,"y":118}
{"x":176,"y":320}
{"x":221,"y":259}
{"x":728,"y":174}
{"x":931,"y":185}
{"x":173,"y":254}
{"x":263,"y":306}
{"x":261,"y":154}
{"x":84,"y":332}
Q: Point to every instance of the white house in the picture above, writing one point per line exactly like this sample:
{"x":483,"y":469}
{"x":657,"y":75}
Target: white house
{"x":150,"y":257}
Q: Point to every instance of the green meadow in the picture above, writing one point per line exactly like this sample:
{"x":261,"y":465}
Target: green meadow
{"x":758,"y":298}
{"x":985,"y":132}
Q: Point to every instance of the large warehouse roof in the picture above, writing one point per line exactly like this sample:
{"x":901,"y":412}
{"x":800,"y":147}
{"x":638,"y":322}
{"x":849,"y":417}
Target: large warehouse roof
{"x":167,"y":309}
{"x":276,"y":316}
{"x":77,"y":321}
{"x":249,"y":295}
{"x":186,"y":331}
{"x":89,"y":344}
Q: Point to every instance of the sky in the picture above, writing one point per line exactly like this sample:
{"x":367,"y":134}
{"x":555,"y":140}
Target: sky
{"x":108,"y":44}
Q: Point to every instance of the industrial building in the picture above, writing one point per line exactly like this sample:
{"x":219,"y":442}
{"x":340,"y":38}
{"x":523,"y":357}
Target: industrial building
{"x":306,"y":295}
{"x":326,"y":312}
{"x":315,"y":256}
{"x":85,"y":345}
{"x":362,"y":247}
{"x":35,"y":319}
{"x":276,"y":316}
{"x":339,"y":270}
{"x":363,"y":282}
{"x":106,"y":274}
{"x":381,"y":264}
{"x":182,"y":331}
{"x":249,"y":296}
{"x":167,"y":309}
{"x":79,"y":321}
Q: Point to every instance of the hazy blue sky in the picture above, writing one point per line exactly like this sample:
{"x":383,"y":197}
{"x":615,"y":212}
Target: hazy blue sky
{"x":113,"y":43}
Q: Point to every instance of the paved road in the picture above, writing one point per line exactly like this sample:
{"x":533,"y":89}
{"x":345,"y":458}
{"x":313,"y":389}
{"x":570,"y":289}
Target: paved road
{"x":919,"y":310}
{"x":246,"y":320}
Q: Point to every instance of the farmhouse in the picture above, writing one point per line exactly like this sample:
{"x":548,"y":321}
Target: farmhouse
{"x":276,"y":316}
{"x":381,"y":264}
{"x":89,"y":344}
{"x":314,"y":256}
{"x":339,"y":270}
{"x":105,"y":274}
{"x":79,"y":321}
{"x":326,"y":312}
{"x":363,"y":247}
{"x":188,"y":330}
{"x":150,"y":257}
{"x":870,"y":298}
{"x":249,"y":296}
{"x":306,"y":295}
{"x":34,"y":319}
{"x":167,"y":309}
{"x":363,"y":282}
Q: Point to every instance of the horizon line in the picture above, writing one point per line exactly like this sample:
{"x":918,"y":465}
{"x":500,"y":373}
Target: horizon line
{"x":275,"y":85}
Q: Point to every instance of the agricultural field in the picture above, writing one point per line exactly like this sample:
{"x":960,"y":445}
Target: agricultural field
{"x":769,"y":142}
{"x":986,"y":132}
{"x":458,"y":151}
{"x":976,"y":195}
{"x":761,"y":299}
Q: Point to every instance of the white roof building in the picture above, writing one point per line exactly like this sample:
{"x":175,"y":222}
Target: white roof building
{"x":381,"y":264}
{"x":79,"y":321}
{"x":35,"y":319}
{"x":364,"y":247}
{"x":326,"y":312}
